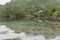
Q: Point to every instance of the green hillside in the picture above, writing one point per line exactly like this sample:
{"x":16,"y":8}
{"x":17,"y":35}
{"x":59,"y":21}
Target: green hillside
{"x":25,"y":7}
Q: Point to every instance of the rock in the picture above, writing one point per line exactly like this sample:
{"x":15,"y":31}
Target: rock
{"x":38,"y":37}
{"x":40,"y":21}
{"x":56,"y":38}
{"x":23,"y":36}
{"x":7,"y":33}
{"x":10,"y":31}
{"x":3,"y":28}
{"x":8,"y":36}
{"x":40,"y":11}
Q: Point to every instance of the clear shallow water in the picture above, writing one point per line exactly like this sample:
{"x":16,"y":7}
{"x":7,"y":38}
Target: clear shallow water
{"x":25,"y":36}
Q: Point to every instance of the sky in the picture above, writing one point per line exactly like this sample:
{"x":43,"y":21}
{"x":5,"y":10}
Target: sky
{"x":3,"y":2}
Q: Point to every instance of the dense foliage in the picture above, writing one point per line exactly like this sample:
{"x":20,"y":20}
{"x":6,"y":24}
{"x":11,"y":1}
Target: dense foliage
{"x":18,"y":9}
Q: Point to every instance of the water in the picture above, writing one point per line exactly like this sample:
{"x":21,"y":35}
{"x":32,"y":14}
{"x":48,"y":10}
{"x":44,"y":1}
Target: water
{"x":7,"y":33}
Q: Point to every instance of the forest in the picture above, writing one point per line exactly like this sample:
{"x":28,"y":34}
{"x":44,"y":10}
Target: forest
{"x":30,"y":9}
